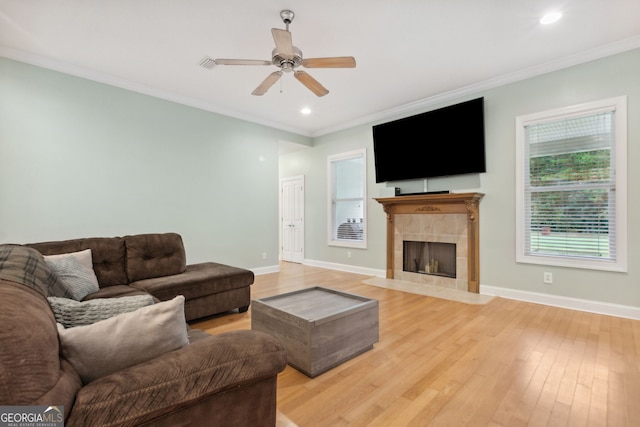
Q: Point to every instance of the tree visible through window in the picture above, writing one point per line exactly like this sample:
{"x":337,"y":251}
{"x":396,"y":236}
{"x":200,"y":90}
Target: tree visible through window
{"x":572,"y":186}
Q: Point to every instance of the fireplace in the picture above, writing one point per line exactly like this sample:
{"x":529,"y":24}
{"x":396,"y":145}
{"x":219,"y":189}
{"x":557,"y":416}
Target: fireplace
{"x":435,"y":258}
{"x":434,"y":239}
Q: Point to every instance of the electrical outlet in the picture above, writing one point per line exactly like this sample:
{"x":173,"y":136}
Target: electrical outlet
{"x":547,"y":277}
{"x":348,"y":254}
{"x":264,"y":255}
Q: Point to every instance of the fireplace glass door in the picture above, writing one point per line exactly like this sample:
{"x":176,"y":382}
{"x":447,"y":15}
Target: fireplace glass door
{"x":433,"y":258}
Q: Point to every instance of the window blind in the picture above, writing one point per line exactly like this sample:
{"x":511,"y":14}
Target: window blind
{"x":570,"y":186}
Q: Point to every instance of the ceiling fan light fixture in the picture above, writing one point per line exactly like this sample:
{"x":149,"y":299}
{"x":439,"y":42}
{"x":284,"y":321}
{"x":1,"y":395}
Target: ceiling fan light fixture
{"x":287,"y":58}
{"x":286,"y":66}
{"x":278,"y":58}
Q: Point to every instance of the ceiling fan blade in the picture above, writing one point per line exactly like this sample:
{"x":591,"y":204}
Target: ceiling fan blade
{"x":241,"y":62}
{"x":312,"y":84}
{"x":267,"y":83}
{"x":284,"y":44}
{"x":333,"y":62}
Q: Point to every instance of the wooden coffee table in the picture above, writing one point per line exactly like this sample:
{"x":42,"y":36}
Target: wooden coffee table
{"x":320,"y":327}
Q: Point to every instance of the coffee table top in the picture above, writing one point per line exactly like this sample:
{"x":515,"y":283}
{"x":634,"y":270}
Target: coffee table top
{"x":318,"y":304}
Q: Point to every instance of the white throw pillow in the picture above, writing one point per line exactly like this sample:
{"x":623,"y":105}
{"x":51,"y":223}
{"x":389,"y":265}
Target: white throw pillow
{"x":75,"y":270}
{"x":125,"y":340}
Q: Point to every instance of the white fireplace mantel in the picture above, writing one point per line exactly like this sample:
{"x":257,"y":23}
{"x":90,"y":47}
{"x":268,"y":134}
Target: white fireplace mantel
{"x":438,"y":204}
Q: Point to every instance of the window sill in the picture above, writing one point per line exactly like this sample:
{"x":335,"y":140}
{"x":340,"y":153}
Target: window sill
{"x":590,"y":264}
{"x":358,"y":244}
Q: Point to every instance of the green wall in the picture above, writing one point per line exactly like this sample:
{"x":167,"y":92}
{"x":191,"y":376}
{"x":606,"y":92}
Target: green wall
{"x":612,"y":76}
{"x":82,"y":159}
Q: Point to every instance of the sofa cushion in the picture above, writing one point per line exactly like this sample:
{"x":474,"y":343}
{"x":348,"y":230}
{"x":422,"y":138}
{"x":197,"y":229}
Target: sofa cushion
{"x":198,"y":280}
{"x":125,"y":340}
{"x":116,"y":291}
{"x":71,"y":313}
{"x":30,"y":366}
{"x":107,"y":253}
{"x":218,"y":303}
{"x":27,"y":267}
{"x":75,"y":269}
{"x":154,"y":255}
{"x":172,"y":382}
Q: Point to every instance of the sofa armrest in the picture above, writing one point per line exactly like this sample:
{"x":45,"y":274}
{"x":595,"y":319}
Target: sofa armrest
{"x":179,"y":379}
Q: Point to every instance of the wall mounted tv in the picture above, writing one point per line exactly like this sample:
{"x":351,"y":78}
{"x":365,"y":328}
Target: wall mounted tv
{"x":443,"y":142}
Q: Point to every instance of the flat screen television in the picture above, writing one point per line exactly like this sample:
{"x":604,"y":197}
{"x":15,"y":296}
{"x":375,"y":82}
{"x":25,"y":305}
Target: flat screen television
{"x":443,"y":142}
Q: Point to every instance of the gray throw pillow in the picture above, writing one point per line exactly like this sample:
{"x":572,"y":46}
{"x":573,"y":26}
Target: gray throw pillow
{"x":21,"y":264}
{"x":71,"y":313}
{"x":125,"y":340}
{"x":75,"y":270}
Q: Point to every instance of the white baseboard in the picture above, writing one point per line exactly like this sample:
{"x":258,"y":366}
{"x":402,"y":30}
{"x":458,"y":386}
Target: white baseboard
{"x":617,"y":310}
{"x":265,"y":270}
{"x":598,"y":307}
{"x":344,"y":267}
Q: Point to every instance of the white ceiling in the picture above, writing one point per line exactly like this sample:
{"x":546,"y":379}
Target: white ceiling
{"x":409,"y":52}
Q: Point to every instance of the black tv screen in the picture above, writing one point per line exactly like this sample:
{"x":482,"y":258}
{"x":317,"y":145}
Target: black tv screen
{"x":443,"y":142}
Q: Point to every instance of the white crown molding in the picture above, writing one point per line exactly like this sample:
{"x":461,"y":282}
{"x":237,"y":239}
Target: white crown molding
{"x":569,"y":61}
{"x":96,"y":76}
{"x":559,"y":64}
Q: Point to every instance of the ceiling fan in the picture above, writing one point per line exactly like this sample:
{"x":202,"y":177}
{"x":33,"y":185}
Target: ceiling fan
{"x":287,"y":57}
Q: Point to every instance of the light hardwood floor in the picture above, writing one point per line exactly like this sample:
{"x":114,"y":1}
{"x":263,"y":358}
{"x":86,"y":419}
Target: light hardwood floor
{"x":445,"y":363}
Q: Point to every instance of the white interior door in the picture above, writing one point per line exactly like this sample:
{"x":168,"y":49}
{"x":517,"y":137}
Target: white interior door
{"x":292,"y":214}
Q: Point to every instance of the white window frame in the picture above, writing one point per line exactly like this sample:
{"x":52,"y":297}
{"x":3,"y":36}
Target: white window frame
{"x":617,"y":104}
{"x":362,"y":244}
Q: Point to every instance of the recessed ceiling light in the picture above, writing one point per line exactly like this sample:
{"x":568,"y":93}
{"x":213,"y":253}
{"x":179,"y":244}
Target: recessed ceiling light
{"x":306,"y":110}
{"x":550,"y":17}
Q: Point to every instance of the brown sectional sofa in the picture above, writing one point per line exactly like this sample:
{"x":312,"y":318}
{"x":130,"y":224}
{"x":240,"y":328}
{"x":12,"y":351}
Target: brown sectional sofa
{"x":226,"y":379}
{"x":156,"y":264}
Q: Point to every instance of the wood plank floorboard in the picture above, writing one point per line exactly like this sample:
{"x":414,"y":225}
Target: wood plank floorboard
{"x":446,"y":363}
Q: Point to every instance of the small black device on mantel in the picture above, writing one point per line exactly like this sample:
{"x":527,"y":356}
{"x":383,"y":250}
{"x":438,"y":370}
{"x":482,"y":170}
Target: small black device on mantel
{"x":424,"y":192}
{"x":443,"y":142}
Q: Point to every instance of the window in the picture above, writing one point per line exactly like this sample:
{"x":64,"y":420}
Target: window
{"x":571,"y":186}
{"x":347,"y":203}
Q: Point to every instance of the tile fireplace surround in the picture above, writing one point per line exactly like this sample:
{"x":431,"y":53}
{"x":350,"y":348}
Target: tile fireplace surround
{"x":447,"y":218}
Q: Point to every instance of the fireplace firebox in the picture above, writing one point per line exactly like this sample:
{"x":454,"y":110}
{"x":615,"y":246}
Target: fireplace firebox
{"x":435,"y":258}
